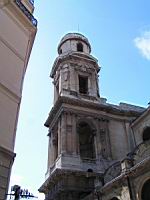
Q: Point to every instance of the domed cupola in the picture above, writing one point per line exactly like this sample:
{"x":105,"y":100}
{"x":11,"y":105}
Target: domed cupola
{"x":74,"y":42}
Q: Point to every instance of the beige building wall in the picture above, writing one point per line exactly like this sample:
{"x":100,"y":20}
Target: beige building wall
{"x":17,"y":33}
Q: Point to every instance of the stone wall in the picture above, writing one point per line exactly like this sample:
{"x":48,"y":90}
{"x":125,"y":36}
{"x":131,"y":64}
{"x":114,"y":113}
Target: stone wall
{"x":6,"y":161}
{"x":139,"y":126}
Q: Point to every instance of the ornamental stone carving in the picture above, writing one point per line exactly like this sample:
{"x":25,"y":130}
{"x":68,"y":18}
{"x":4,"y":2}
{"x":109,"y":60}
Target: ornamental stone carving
{"x":84,"y":68}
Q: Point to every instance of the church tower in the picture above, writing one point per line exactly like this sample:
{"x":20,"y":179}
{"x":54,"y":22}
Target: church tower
{"x":93,"y":145}
{"x":74,"y":152}
{"x":75,"y":71}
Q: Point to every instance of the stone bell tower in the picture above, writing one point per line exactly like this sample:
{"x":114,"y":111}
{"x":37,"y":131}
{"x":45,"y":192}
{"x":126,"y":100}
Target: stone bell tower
{"x":75,"y":150}
{"x":75,"y":70}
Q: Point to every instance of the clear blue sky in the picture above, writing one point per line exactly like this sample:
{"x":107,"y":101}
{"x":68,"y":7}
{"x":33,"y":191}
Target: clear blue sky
{"x":119,"y":33}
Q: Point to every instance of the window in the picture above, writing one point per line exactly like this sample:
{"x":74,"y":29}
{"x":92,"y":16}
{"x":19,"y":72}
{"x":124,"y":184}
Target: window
{"x":83,"y":85}
{"x":145,"y":194}
{"x":86,"y":141}
{"x":60,"y":51}
{"x":146,"y":134}
{"x":80,"y":47}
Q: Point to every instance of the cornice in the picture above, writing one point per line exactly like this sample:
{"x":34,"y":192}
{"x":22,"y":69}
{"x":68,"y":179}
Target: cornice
{"x":26,"y":12}
{"x":108,"y":108}
{"x":59,"y":173}
{"x":7,"y":152}
{"x":20,"y":14}
{"x":140,"y":118}
{"x":73,"y":57}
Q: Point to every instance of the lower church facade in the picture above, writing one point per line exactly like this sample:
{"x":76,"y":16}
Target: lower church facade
{"x":97,"y":150}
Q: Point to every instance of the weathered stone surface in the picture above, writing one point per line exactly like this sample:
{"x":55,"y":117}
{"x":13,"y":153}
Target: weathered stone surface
{"x":96,"y":149}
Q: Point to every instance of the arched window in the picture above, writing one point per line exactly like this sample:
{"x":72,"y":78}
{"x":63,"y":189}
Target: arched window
{"x":146,"y":134}
{"x":145,"y":194}
{"x":86,"y":141}
{"x":80,"y":47}
{"x":60,"y":51}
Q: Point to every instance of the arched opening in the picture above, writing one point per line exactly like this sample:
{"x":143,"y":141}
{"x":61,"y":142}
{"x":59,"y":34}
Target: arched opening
{"x":114,"y":198}
{"x":60,"y":51}
{"x":90,"y":170}
{"x":86,"y":141}
{"x":145,"y":194}
{"x":146,"y":134}
{"x":80,"y":47}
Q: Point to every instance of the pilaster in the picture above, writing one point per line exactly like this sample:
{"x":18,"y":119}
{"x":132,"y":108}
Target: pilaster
{"x":63,"y":133}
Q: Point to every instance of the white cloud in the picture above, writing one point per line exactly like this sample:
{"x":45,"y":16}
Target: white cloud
{"x":143,"y":44}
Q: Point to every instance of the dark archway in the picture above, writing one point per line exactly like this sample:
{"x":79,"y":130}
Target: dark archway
{"x":80,"y":47}
{"x":114,"y":198}
{"x":145,"y":194}
{"x":86,"y":141}
{"x":146,"y":134}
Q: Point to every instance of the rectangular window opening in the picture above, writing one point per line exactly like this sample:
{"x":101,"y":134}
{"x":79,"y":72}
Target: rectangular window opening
{"x":83,"y":85}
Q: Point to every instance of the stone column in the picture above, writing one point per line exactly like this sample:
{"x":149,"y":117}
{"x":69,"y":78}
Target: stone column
{"x":55,"y":93}
{"x":59,"y":137}
{"x":61,"y":82}
{"x":72,"y":79}
{"x":94,"y":77}
{"x":98,"y":140}
{"x":51,"y":150}
{"x":105,"y":139}
{"x":90,"y":85}
{"x":49,"y":154}
{"x":63,"y":133}
{"x":55,"y":147}
{"x":128,"y":137}
{"x":109,"y":153}
{"x":56,"y":86}
{"x":74,"y":135}
{"x":69,"y":132}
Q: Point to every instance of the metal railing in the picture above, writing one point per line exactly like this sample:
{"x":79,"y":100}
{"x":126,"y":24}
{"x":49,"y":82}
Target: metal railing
{"x":32,"y":2}
{"x":26,"y":11}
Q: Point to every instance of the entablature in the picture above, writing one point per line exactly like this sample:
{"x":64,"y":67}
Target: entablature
{"x":73,"y":58}
{"x":97,"y":110}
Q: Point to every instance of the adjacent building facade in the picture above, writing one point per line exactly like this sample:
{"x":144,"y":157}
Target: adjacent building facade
{"x":17,"y":34}
{"x":96,"y":150}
